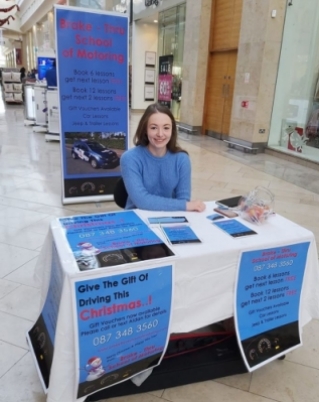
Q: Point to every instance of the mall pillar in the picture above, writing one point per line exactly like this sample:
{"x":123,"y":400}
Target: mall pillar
{"x":196,"y":41}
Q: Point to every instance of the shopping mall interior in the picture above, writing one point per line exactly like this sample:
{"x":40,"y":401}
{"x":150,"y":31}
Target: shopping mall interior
{"x":30,"y":184}
{"x":31,"y":177}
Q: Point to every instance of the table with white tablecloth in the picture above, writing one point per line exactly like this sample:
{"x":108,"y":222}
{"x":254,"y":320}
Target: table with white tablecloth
{"x":204,"y":281}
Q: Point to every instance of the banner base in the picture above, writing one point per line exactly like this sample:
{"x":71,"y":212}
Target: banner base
{"x":82,"y":200}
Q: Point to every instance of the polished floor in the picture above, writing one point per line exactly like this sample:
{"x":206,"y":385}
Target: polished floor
{"x":30,"y":197}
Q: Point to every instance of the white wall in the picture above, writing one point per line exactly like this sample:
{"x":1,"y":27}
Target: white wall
{"x":144,"y":39}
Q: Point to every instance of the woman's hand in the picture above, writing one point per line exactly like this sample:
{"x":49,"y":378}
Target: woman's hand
{"x":198,"y":206}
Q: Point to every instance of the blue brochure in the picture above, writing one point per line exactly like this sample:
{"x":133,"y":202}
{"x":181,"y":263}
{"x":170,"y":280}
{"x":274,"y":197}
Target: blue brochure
{"x":180,"y":234}
{"x":215,"y":217}
{"x":234,"y":228}
{"x":167,"y":219}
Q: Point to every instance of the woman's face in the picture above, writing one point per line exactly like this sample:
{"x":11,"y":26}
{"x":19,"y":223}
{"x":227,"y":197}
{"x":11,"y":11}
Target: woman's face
{"x":159,"y":132}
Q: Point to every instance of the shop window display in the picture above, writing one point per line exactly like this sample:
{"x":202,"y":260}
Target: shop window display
{"x":312,"y":128}
{"x":171,"y":43}
{"x":295,"y":120}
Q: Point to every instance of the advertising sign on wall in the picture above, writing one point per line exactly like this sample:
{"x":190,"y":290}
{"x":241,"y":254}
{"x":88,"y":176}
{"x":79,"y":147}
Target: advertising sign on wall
{"x":267,"y":302}
{"x":92,"y":60}
{"x":122,"y":325}
{"x":165,"y":80}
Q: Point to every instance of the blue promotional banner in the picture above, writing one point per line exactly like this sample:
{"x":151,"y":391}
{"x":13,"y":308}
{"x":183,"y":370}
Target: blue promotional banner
{"x":122,"y":325}
{"x":42,"y":335}
{"x":110,"y":239}
{"x":267,"y":302}
{"x":92,"y":61}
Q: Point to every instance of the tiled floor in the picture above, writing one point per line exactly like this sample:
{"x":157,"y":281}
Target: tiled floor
{"x":30,"y":188}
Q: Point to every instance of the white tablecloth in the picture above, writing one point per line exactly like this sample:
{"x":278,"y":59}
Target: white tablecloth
{"x":205,"y":277}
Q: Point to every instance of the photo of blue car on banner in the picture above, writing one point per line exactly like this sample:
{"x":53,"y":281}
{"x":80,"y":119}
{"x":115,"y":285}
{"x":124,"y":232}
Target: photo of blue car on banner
{"x":267,"y":301}
{"x":92,"y":66}
{"x":122,"y":325}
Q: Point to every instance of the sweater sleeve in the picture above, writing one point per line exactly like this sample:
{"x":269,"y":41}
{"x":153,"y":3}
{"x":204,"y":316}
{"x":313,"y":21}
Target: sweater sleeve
{"x":183,"y":189}
{"x":140,"y":197}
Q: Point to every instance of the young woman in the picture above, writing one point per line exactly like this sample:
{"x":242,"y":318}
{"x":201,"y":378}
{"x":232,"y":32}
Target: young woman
{"x":157,"y":172}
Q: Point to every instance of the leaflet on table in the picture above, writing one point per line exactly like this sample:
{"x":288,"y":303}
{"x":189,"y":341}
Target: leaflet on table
{"x":167,"y":219}
{"x":41,"y":336}
{"x":215,"y":217}
{"x":122,"y":325}
{"x":267,"y":301}
{"x":110,"y":239}
{"x":180,"y":234}
{"x":234,"y":228}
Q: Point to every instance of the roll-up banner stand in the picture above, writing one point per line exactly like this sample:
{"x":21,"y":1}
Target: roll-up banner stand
{"x":45,"y":61}
{"x":92,"y":69}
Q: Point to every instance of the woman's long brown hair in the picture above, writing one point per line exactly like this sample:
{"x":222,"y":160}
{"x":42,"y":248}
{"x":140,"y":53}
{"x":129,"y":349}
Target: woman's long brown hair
{"x":140,"y":137}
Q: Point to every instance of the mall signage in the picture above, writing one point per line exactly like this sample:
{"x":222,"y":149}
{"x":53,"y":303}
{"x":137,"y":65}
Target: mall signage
{"x":149,"y":3}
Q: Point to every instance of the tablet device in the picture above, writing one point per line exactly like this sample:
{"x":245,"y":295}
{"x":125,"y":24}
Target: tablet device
{"x":230,"y":202}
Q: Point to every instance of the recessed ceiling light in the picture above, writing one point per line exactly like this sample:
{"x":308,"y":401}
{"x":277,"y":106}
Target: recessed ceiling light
{"x":155,"y":21}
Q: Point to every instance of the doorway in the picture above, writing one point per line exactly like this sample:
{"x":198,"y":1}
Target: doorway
{"x":221,"y":71}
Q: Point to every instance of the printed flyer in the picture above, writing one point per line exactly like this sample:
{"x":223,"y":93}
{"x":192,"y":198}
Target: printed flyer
{"x":180,"y":234}
{"x":110,"y":239}
{"x":42,"y":335}
{"x":267,"y":301}
{"x":167,"y":219}
{"x":234,"y":228}
{"x":92,"y":66}
{"x":122,"y":325}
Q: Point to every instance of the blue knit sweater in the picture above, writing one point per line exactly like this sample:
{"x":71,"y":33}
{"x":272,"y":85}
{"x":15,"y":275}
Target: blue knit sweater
{"x":156,"y":183}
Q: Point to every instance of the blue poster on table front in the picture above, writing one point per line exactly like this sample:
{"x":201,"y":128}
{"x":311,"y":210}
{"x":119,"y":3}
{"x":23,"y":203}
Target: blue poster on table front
{"x":267,"y":302}
{"x":110,"y":239}
{"x":122,"y":325}
{"x":92,"y":65}
{"x":41,"y":337}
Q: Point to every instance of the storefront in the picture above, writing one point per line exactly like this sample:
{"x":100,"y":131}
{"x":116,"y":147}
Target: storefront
{"x":295,"y":118}
{"x":171,"y":42}
{"x":157,"y":53}
{"x":121,"y":6}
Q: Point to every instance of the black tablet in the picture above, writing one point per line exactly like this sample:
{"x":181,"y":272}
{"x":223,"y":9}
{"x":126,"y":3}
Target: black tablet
{"x":230,"y":202}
